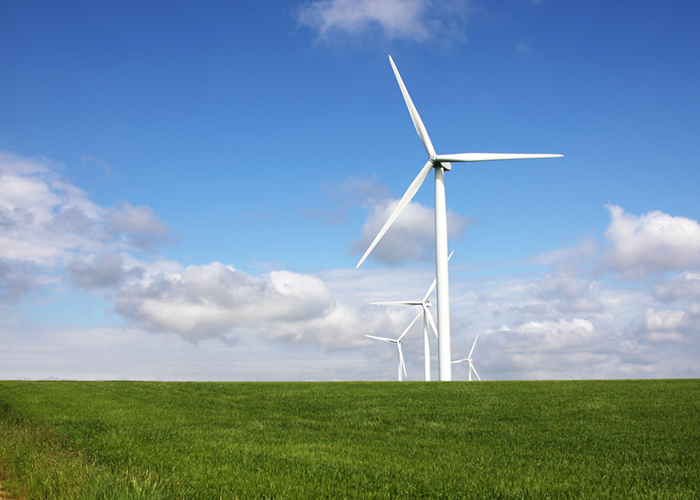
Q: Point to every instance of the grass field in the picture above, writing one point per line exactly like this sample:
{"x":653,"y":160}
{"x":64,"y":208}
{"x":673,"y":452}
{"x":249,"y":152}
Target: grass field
{"x":508,"y":440}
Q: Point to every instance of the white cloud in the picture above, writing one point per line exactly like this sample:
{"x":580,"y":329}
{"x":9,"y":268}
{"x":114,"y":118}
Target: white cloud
{"x":409,"y":19}
{"x":671,"y":325}
{"x":651,"y":243}
{"x":101,"y":271}
{"x":683,"y":285}
{"x":218,"y":300}
{"x":350,"y":193}
{"x":664,"y":320}
{"x":549,"y":336}
{"x":42,"y":219}
{"x":411,"y":236}
{"x":567,"y":291}
{"x":139,"y":225}
{"x":48,"y":225}
{"x":16,"y":279}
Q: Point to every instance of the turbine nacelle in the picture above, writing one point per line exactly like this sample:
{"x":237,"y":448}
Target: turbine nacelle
{"x":437,"y":163}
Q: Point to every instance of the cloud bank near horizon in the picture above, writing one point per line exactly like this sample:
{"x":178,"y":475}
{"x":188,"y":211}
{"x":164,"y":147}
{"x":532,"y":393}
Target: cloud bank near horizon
{"x":627,"y":305}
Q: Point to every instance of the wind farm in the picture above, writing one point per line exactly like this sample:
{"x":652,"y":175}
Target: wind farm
{"x":440,"y":164}
{"x":216,"y":235}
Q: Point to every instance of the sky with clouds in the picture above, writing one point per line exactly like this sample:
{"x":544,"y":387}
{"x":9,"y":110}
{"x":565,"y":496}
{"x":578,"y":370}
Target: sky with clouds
{"x":185,"y":189}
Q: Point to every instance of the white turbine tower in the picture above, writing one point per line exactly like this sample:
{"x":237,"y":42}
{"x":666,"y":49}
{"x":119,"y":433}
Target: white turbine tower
{"x":427,"y":318}
{"x":440,"y":163}
{"x":470,"y":361}
{"x":398,"y":342}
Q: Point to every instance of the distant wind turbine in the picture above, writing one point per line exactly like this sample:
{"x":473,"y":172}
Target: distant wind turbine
{"x":427,"y":318}
{"x":470,"y":361}
{"x":440,"y":163}
{"x":398,"y":342}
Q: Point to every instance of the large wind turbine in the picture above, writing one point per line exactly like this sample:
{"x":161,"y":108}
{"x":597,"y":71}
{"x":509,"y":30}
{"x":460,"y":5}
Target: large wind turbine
{"x":427,"y":318}
{"x":470,"y":361}
{"x":398,"y":342}
{"x":440,"y":163}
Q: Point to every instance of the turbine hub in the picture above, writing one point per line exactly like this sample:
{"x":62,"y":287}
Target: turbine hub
{"x":446,"y":165}
{"x":427,"y":303}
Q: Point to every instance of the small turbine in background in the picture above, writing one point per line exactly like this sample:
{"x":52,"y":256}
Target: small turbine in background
{"x":398,"y":342}
{"x":427,"y":318}
{"x":470,"y":361}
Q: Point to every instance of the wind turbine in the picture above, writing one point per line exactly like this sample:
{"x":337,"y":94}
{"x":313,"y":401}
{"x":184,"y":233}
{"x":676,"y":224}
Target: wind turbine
{"x":398,"y":342}
{"x":440,"y":163}
{"x":469,"y":360}
{"x":427,"y":318}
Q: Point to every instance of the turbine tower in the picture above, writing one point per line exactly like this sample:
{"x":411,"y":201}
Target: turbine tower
{"x":470,"y":361}
{"x":427,"y":318}
{"x":440,"y":163}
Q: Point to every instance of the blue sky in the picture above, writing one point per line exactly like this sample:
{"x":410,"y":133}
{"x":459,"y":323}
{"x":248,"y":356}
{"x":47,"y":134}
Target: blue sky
{"x":186,"y":189}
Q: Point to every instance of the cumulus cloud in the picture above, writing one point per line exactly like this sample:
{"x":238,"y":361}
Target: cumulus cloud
{"x":567,"y":291}
{"x":42,"y":218}
{"x":651,"y":243}
{"x":670,"y":325}
{"x":16,"y":279}
{"x":548,"y":336}
{"x":683,"y":285}
{"x":101,"y":271}
{"x":48,"y":225}
{"x":139,"y":225}
{"x":348,"y":194}
{"x":410,"y":238}
{"x":415,"y":20}
{"x":549,"y":349}
{"x":216,"y":300}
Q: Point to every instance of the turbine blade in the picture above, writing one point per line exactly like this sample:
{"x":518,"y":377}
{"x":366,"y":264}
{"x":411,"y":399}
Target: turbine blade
{"x":417,"y":122}
{"x":380,"y":338}
{"x":462,"y":157}
{"x":432,"y":287}
{"x":473,"y":345}
{"x":432,"y":322}
{"x":460,"y":361}
{"x":471,"y":367}
{"x":398,"y":303}
{"x":410,"y":193}
{"x":402,"y":364}
{"x":430,"y":290}
{"x":409,"y":327}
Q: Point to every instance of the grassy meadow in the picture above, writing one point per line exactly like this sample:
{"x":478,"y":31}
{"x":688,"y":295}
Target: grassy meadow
{"x":489,"y":440}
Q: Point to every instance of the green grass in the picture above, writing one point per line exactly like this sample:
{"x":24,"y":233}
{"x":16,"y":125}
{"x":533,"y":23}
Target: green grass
{"x":509,"y":440}
{"x":36,"y":463}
